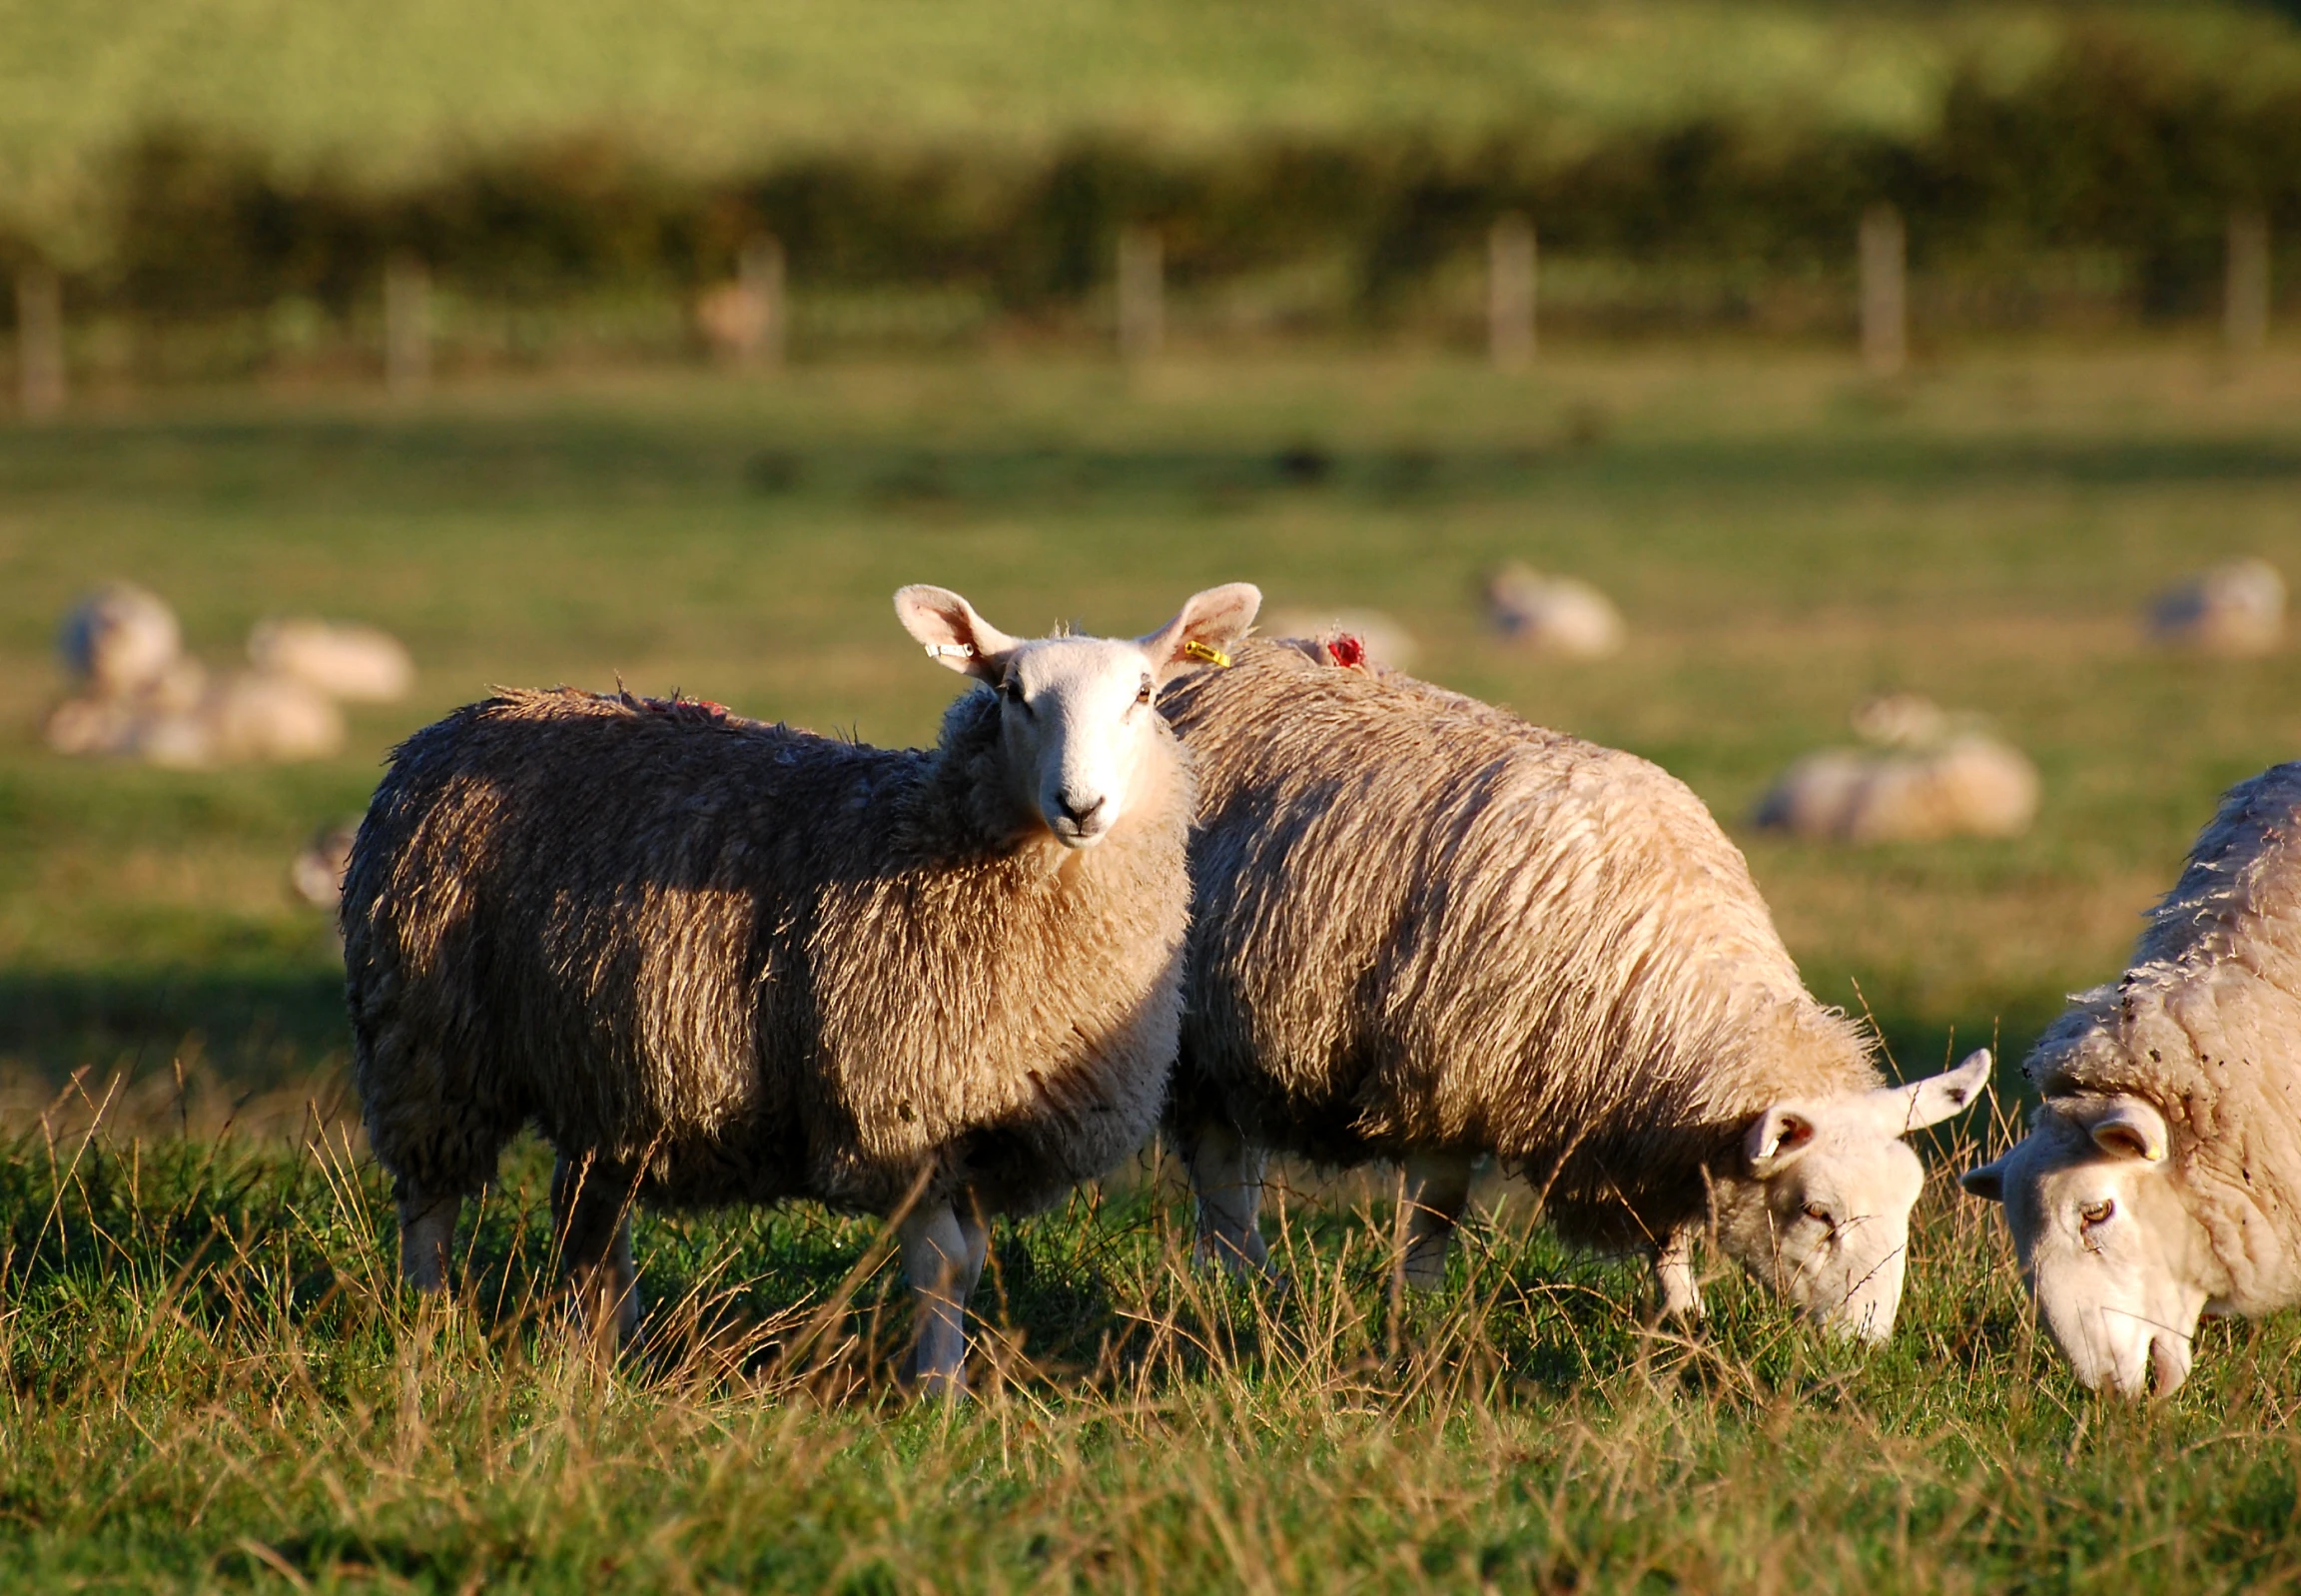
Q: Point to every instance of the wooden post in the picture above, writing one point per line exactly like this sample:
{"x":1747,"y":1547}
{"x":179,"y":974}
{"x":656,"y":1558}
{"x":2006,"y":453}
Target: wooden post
{"x":1885,"y":292}
{"x":1141,"y":293}
{"x":761,"y":272}
{"x":40,"y":340}
{"x":1510,"y":284}
{"x":407,"y":324}
{"x":2245,"y":306}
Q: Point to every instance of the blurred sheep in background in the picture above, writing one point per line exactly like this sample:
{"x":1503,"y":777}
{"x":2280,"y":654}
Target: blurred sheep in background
{"x":137,"y":695}
{"x":1556,"y":615}
{"x":2235,"y":608}
{"x":347,"y":661}
{"x":1929,"y":774}
{"x":1387,"y":643}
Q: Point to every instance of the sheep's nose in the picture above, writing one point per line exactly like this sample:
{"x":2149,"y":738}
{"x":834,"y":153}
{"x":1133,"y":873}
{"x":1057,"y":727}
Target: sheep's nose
{"x":1078,"y":813}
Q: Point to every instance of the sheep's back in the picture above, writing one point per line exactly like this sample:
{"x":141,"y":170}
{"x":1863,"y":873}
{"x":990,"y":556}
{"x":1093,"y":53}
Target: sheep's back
{"x":1422,"y":923}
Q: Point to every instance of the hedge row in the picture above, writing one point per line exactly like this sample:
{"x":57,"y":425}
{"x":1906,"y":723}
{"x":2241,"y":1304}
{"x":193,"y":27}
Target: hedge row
{"x":2107,"y":147}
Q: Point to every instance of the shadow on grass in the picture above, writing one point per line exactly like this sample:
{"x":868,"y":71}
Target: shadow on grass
{"x":257,"y":1031}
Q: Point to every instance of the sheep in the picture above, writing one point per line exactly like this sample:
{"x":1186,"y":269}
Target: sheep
{"x":139,"y":696}
{"x":1936,"y":775}
{"x":1426,"y":929}
{"x":715,"y":961}
{"x":2235,"y":608}
{"x":1558,"y":615}
{"x":2161,"y":1178}
{"x":346,"y":661}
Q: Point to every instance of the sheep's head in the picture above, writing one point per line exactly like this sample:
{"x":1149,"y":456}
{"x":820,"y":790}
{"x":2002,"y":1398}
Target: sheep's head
{"x":1822,"y":1207}
{"x":2119,"y":1267}
{"x":1076,"y":713}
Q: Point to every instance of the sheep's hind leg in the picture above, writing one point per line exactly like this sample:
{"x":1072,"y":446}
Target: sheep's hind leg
{"x":943,"y":1255}
{"x":426,"y":1237}
{"x":1438,"y":1190}
{"x":591,"y":1219}
{"x":1681,"y":1297}
{"x":1227,"y":1175}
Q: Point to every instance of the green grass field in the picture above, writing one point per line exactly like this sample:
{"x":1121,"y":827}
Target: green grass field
{"x":385,"y":93}
{"x":210,"y":1380}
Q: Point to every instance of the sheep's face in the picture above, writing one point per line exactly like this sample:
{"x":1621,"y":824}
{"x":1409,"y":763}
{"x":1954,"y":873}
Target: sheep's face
{"x":1824,"y":1214}
{"x":2118,"y":1268}
{"x":1082,"y":740}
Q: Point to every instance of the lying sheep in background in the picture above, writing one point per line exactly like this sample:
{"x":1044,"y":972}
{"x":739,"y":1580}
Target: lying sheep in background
{"x":1427,"y":931}
{"x":715,"y":961}
{"x":1934,"y":778}
{"x":2234,"y":609}
{"x":1557,"y":615}
{"x":2161,"y":1179}
{"x":137,"y":695}
{"x":346,"y":661}
{"x":1380,"y":638}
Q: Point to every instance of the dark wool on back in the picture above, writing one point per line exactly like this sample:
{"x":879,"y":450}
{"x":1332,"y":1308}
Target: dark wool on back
{"x":2206,"y":1026}
{"x":1423,"y":924}
{"x":755,"y":962}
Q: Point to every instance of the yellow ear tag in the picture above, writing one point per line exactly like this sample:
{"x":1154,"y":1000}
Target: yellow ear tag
{"x":1206,"y":653}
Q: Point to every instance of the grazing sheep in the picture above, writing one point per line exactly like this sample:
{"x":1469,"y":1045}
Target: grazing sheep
{"x":1935,"y":776}
{"x":2161,"y":1179}
{"x":1426,"y":929}
{"x":1386,"y":642}
{"x":715,"y":961}
{"x":2235,"y":608}
{"x":1558,"y":615}
{"x":346,"y":661}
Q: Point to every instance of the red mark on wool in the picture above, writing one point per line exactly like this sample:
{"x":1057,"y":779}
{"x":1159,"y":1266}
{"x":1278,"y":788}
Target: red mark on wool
{"x":1347,"y":650}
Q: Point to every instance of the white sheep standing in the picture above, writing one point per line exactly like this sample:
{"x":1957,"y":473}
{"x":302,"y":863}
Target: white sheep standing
{"x":1558,"y":615}
{"x":1935,"y":776}
{"x":2161,"y":1178}
{"x":715,"y":961}
{"x":2235,"y":608}
{"x":1427,"y":931}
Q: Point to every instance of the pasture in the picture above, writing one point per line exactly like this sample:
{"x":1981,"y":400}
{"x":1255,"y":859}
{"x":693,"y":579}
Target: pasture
{"x":211,"y":1379}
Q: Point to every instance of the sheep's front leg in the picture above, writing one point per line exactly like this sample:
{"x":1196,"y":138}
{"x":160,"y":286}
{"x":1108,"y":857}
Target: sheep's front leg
{"x":591,"y":1219}
{"x":1438,"y":1190}
{"x":426,"y":1237}
{"x":1681,"y":1297}
{"x":943,"y":1255}
{"x":1227,"y":1175}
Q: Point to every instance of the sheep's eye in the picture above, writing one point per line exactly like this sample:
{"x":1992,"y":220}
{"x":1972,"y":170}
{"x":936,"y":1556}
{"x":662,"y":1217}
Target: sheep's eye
{"x":1012,"y":691}
{"x":1144,"y":697}
{"x":2096,"y":1212}
{"x":1816,"y":1211}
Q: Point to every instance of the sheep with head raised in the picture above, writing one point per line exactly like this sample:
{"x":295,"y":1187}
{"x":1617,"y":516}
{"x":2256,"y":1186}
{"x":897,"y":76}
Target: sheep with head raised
{"x":1425,"y":930}
{"x":2236,"y":609}
{"x":715,"y":961}
{"x":1560,"y":615}
{"x":2161,"y":1178}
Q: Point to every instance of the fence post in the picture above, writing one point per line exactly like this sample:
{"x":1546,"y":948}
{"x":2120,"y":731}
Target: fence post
{"x":1141,"y":293}
{"x":1885,"y":292}
{"x":407,"y":324}
{"x":1510,"y":283}
{"x":2245,"y":306}
{"x":761,"y":272}
{"x":40,"y":340}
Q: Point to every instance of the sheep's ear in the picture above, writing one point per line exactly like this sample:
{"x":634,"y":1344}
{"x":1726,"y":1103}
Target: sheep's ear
{"x":1987,"y":1182}
{"x":1776,"y":1139}
{"x":2124,"y":1127}
{"x":1896,"y":1111}
{"x":952,"y":633}
{"x":1209,"y":630}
